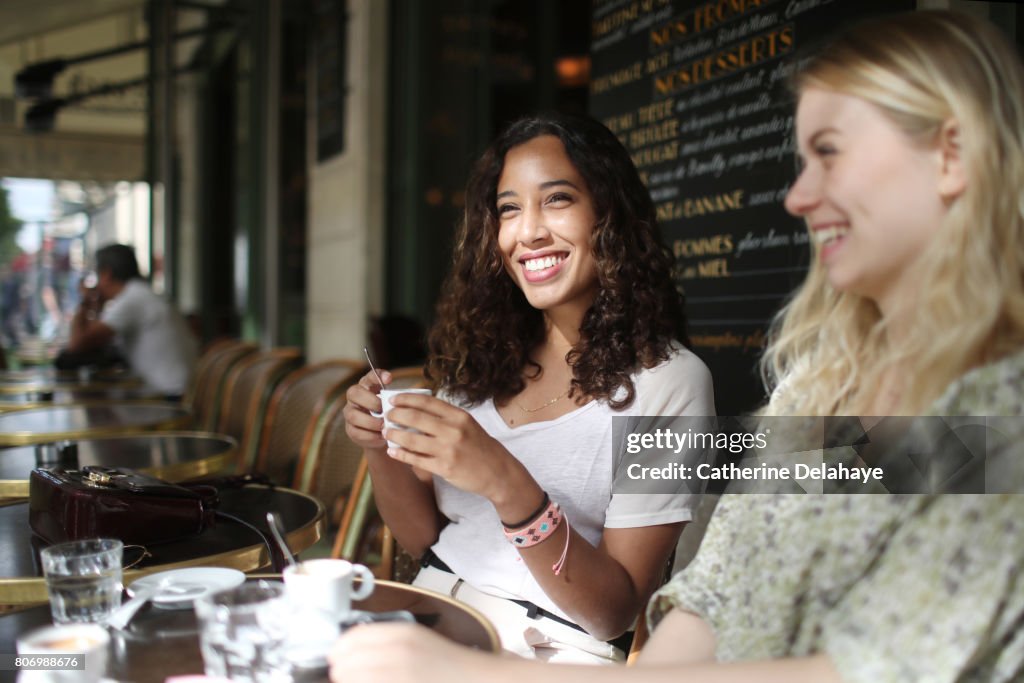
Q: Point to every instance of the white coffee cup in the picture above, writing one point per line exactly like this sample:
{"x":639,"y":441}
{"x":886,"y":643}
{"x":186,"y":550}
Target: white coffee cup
{"x":385,"y":407}
{"x":86,"y":642}
{"x":327,"y":585}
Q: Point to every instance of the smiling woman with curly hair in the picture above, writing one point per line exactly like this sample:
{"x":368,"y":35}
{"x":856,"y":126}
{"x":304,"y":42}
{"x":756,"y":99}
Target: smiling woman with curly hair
{"x":487,"y":328}
{"x":559,"y":313}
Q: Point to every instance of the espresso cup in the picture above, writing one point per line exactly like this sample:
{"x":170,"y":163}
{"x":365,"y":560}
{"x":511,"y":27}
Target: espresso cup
{"x":327,"y":585}
{"x":385,"y":407}
{"x":68,"y":653}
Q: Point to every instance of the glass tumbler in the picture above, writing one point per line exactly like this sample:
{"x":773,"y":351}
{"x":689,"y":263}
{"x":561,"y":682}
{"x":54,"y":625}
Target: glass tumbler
{"x":242,"y":632}
{"x":83,"y":579}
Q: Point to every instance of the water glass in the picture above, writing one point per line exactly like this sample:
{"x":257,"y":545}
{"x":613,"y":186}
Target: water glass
{"x":83,"y":579}
{"x":242,"y":632}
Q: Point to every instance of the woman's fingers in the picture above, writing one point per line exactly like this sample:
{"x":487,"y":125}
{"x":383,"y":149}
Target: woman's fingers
{"x":415,"y":449}
{"x":364,"y":392}
{"x":362,"y":400}
{"x":414,"y":418}
{"x":426,"y":404}
{"x":363,"y":424}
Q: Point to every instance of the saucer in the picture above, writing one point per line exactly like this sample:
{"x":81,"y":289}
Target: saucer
{"x":179,"y":588}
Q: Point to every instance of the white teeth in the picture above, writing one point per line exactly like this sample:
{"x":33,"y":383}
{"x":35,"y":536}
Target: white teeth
{"x":826,"y":235}
{"x":536,"y":264}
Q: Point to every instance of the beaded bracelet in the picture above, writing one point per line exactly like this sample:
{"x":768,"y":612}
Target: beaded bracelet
{"x":537,"y":530}
{"x":540,"y":529}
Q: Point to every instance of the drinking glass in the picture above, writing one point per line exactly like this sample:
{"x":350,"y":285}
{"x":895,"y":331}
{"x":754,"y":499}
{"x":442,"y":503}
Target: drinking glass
{"x":83,"y":579}
{"x":242,"y":632}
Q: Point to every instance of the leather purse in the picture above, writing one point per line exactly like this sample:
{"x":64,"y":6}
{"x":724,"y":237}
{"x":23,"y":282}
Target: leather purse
{"x":105,"y":502}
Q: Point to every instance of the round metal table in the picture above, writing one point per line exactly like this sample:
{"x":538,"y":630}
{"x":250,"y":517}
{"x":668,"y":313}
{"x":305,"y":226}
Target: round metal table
{"x":174,"y":456}
{"x":31,"y":383}
{"x":161,"y":643}
{"x":59,"y":395}
{"x":89,"y":419}
{"x":226,"y":544}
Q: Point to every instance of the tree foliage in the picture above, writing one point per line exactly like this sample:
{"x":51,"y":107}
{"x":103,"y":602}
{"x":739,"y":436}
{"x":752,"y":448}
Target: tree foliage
{"x":9,"y":227}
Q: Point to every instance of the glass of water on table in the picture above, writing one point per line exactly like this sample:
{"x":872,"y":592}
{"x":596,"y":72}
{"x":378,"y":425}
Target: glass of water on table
{"x":83,"y":579}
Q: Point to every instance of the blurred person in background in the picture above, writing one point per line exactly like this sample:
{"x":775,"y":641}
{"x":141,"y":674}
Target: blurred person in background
{"x":147,"y":329}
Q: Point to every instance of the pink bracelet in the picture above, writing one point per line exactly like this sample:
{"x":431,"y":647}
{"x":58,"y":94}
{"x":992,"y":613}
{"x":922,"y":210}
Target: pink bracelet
{"x":558,"y":566}
{"x":540,"y":529}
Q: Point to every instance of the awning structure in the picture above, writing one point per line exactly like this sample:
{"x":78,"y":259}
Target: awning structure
{"x":71,"y":156}
{"x":98,"y":138}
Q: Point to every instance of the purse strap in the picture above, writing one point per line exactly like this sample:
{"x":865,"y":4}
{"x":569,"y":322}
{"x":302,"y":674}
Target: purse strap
{"x":277,"y":559}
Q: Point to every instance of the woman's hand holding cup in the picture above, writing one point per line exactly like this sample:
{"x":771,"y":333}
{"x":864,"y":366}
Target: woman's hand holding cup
{"x":446,"y":441}
{"x":363,"y":423}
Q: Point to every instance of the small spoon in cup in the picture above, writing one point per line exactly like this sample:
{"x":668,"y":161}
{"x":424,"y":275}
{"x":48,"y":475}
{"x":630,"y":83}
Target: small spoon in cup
{"x":274,"y":522}
{"x":379,"y":380}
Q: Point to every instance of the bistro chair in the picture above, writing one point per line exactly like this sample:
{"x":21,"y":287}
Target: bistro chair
{"x":329,"y":459}
{"x":211,"y":374}
{"x":196,"y":387}
{"x":247,"y":390}
{"x":297,"y":399}
{"x":361,"y":526}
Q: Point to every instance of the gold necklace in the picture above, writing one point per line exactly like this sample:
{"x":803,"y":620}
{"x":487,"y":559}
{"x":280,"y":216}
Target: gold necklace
{"x":552,"y":402}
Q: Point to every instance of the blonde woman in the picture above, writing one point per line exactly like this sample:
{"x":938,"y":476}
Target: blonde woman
{"x":911,"y":134}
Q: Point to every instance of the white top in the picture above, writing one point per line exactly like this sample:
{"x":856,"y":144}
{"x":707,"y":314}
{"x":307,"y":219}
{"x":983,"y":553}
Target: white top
{"x":572,"y":458}
{"x":153,"y":336}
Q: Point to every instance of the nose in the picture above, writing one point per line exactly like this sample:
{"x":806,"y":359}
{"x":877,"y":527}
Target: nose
{"x":532,"y":226}
{"x":804,"y":195}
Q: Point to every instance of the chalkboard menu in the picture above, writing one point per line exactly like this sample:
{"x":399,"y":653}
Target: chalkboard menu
{"x":697,"y":93}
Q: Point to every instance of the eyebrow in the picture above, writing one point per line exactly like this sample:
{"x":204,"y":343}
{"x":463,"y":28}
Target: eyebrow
{"x":821,"y":131}
{"x":546,"y":185}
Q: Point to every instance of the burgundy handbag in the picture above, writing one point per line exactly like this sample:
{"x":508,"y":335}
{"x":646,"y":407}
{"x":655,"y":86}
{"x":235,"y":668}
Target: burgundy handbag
{"x":69,"y":504}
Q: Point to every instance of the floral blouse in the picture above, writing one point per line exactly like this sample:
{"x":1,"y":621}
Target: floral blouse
{"x":891,"y":588}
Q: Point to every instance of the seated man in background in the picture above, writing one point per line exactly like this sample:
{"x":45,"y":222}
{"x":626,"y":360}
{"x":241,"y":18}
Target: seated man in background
{"x":150,"y":332}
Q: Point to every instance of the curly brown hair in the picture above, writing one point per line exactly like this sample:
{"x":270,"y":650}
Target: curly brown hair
{"x":485,"y":331}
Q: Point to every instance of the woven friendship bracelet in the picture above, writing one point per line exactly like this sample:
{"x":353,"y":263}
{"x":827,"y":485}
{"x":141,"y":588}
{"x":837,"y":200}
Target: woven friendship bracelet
{"x":538,"y":530}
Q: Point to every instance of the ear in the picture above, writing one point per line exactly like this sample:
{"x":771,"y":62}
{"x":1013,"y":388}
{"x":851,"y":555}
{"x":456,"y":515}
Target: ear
{"x":952,"y":169}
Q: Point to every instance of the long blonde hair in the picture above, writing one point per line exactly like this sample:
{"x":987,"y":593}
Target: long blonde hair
{"x":828,"y":348}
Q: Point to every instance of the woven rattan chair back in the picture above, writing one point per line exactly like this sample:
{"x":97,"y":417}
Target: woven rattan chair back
{"x":299,"y":399}
{"x":329,"y":458}
{"x":199,"y":384}
{"x":247,"y":391}
{"x":210,"y":383}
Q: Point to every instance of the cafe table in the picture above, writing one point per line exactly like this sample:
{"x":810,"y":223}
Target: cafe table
{"x":174,"y":456}
{"x":227,"y":544}
{"x":63,"y":396}
{"x":52,"y":375}
{"x":159,"y":643}
{"x":42,"y":381}
{"x":88,"y":419}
